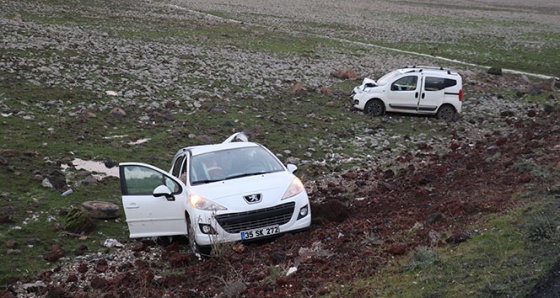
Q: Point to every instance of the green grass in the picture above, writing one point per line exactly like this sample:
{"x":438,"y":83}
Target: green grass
{"x":533,"y":52}
{"x":283,"y":121}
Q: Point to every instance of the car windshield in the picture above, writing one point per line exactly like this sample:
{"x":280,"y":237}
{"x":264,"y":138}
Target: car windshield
{"x":231,"y":164}
{"x":387,"y":77}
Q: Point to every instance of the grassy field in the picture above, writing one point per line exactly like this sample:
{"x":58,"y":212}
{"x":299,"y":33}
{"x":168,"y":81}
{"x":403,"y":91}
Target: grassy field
{"x":45,"y":125}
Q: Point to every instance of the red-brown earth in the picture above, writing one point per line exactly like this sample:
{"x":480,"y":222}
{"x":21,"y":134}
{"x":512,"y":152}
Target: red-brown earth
{"x":361,"y":220}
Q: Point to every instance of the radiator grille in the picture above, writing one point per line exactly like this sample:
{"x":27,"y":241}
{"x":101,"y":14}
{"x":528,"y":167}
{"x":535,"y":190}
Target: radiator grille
{"x":243,"y":221}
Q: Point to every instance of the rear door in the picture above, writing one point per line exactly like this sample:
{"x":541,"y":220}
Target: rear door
{"x":432,"y":94}
{"x":148,"y":214}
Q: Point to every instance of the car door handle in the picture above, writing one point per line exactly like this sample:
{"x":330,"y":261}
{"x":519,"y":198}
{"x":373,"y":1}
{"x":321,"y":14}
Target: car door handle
{"x":132,"y":206}
{"x":416,"y":95}
{"x":423,"y":95}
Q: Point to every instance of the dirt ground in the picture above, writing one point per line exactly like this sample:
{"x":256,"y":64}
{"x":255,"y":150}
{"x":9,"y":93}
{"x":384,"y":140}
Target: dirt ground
{"x":361,"y":219}
{"x":352,"y":212}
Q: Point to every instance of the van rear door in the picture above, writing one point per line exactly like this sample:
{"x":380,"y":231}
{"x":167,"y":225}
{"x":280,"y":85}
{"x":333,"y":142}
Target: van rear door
{"x":431,"y":95}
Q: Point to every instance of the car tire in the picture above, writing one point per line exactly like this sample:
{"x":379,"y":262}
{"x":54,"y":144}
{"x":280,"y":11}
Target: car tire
{"x":375,"y":107}
{"x":198,"y":250}
{"x":446,"y":113}
{"x":100,"y":210}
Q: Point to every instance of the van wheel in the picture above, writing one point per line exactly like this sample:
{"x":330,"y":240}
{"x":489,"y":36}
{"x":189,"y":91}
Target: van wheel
{"x":446,"y":113}
{"x":375,"y":107}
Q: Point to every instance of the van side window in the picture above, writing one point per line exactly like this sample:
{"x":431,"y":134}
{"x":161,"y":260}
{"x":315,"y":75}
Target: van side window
{"x":436,"y":84}
{"x":449,"y":83}
{"x":405,"y":84}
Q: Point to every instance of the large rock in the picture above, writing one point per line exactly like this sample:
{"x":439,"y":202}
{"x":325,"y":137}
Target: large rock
{"x":101,"y":210}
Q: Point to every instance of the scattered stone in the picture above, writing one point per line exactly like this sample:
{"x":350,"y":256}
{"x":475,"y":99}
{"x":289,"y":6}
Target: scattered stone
{"x":232,"y":290}
{"x":397,"y":249}
{"x":32,"y":241}
{"x":345,"y":74}
{"x":6,"y":219}
{"x":495,"y":71}
{"x":239,"y":248}
{"x":56,"y":253}
{"x":99,"y":283}
{"x":457,"y":238}
{"x":434,"y":217}
{"x":317,"y":250}
{"x":435,"y":237}
{"x":12,"y":252}
{"x":11,"y":243}
{"x":101,"y":210}
{"x":326,"y":91}
{"x":298,"y":88}
{"x":118,"y":112}
{"x":34,"y":287}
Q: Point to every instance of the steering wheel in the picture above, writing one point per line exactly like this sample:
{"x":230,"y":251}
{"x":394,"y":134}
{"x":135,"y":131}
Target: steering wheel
{"x":254,"y":167}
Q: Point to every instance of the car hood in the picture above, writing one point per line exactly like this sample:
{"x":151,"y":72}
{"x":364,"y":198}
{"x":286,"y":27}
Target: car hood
{"x":366,"y":85}
{"x":230,"y":193}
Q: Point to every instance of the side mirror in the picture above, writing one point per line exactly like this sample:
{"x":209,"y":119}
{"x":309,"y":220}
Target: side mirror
{"x":291,"y":167}
{"x":163,"y":191}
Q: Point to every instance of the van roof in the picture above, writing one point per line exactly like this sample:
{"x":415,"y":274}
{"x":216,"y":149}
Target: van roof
{"x":427,"y":69}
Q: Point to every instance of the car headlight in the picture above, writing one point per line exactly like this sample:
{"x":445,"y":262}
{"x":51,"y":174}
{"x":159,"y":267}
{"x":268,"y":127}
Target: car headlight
{"x":295,"y":188}
{"x":199,"y":202}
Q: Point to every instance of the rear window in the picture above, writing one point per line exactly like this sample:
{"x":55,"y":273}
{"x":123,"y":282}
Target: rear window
{"x":436,"y":83}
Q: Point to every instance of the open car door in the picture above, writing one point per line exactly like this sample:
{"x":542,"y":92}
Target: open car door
{"x":153,"y":201}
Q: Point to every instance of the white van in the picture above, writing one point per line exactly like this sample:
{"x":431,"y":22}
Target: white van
{"x":416,"y":90}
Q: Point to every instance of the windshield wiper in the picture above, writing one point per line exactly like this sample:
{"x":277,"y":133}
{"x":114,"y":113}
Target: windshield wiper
{"x":244,"y":175}
{"x":205,"y":181}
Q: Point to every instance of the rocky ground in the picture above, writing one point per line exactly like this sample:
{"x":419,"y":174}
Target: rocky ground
{"x":363,"y":217}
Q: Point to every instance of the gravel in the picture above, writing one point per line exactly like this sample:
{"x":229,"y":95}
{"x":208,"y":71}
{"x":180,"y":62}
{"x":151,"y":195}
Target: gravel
{"x":146,"y":69}
{"x":92,"y":58}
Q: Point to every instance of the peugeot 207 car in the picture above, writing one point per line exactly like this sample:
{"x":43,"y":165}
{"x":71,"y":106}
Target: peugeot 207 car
{"x":417,"y":89}
{"x":233,"y":191}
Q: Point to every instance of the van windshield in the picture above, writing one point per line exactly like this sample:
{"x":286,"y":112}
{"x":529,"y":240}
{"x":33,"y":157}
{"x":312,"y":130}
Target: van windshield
{"x":387,"y":77}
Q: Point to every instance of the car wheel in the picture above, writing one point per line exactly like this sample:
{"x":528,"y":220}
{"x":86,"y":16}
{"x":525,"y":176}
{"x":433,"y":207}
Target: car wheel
{"x":446,"y":113}
{"x":375,"y":107}
{"x":198,"y":250}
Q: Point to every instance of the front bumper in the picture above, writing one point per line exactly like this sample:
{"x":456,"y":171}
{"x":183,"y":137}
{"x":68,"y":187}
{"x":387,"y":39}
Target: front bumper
{"x":227,"y":227}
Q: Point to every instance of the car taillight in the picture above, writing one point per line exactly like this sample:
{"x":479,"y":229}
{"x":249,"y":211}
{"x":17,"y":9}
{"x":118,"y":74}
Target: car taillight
{"x":461,"y":95}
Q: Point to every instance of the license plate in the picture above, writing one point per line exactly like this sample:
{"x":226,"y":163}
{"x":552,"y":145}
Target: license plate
{"x":262,"y":232}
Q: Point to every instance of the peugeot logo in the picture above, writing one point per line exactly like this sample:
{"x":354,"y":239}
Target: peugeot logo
{"x":253,"y":199}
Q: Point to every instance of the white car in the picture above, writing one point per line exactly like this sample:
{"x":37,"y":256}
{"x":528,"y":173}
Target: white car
{"x":233,"y":191}
{"x":417,"y":90}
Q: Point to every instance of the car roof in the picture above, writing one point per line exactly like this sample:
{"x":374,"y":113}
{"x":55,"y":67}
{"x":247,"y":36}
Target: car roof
{"x":201,"y":149}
